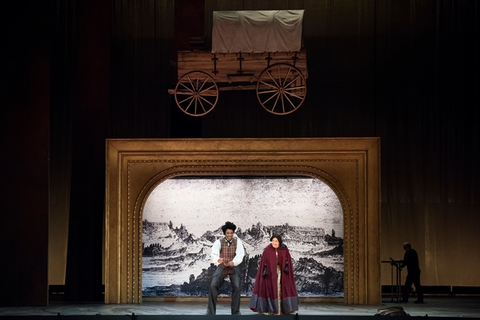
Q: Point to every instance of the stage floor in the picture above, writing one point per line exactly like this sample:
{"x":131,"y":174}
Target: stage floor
{"x":465,"y":307}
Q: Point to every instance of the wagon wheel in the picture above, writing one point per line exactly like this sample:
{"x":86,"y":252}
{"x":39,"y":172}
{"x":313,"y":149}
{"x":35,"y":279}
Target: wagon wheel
{"x":196,"y":93}
{"x":281,"y":88}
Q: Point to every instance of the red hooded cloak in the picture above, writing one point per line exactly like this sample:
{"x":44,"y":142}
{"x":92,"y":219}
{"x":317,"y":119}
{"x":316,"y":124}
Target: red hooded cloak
{"x":265,"y":291}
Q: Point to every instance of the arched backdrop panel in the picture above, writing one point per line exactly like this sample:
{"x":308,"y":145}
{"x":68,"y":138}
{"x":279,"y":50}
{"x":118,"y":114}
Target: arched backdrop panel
{"x":182,"y":217}
{"x":349,"y":166}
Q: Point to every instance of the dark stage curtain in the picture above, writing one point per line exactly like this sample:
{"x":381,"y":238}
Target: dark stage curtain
{"x":426,"y":75}
{"x":141,"y":68}
{"x":24,"y":142}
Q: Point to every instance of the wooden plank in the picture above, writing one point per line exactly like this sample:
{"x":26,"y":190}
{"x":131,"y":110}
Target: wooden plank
{"x":233,"y":87}
{"x":228,"y":65}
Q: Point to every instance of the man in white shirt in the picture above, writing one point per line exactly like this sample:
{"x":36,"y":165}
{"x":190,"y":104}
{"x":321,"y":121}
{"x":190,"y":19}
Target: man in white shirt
{"x":227,"y":254}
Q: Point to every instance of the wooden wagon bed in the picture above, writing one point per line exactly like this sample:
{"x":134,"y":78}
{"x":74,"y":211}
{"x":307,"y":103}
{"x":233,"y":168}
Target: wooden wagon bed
{"x":237,"y":67}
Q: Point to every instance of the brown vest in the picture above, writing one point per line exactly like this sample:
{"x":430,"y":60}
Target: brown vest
{"x":227,"y":252}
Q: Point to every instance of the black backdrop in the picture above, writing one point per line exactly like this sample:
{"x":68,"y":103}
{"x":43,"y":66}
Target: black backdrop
{"x":77,"y":72}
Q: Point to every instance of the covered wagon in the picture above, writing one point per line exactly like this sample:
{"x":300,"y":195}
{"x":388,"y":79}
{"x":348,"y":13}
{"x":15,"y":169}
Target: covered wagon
{"x":251,"y":50}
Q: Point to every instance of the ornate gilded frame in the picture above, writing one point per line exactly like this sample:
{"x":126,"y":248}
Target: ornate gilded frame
{"x":350,"y":166}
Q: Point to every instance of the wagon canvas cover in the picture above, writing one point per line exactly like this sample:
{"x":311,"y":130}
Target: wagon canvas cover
{"x":257,"y":31}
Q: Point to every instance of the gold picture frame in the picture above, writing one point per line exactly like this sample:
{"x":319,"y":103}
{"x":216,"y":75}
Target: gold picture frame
{"x":350,"y":166}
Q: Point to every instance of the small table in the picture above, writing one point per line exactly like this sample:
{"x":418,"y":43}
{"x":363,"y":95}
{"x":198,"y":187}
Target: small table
{"x":396,"y":294}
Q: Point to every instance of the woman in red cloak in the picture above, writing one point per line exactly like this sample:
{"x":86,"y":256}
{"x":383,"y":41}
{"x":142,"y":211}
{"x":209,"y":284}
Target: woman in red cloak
{"x":274,"y":291}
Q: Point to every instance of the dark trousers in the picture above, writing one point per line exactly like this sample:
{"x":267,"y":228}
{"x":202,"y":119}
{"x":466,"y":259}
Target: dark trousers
{"x":216,"y":285}
{"x":415,"y":280}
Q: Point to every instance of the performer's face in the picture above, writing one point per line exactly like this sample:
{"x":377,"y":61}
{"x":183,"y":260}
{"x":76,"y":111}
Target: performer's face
{"x":229,"y":234}
{"x":275,"y":243}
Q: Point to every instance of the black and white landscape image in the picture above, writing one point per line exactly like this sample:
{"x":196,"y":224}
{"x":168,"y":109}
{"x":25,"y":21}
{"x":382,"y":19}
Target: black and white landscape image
{"x":183,"y":217}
